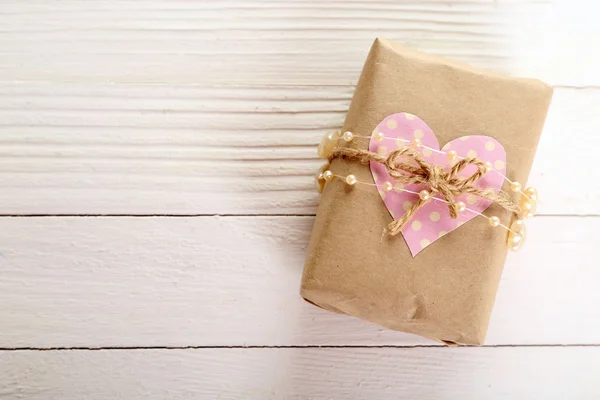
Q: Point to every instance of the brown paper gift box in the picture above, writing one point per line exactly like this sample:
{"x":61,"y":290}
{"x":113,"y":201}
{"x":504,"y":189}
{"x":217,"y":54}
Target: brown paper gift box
{"x":447,"y":291}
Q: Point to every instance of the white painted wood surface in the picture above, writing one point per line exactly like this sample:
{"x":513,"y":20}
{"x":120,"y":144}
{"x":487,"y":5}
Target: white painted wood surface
{"x":234,"y":281}
{"x":320,"y":374}
{"x":213,"y":109}
{"x":306,"y":42}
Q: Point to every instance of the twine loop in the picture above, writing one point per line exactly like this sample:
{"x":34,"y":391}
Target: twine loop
{"x":407,"y":166}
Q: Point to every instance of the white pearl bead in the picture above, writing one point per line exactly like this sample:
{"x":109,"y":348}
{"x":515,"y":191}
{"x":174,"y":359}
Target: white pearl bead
{"x":494,"y":221}
{"x":387,"y":186}
{"x":320,"y":178}
{"x":424,"y":195}
{"x":488,"y":166}
{"x":519,"y":225}
{"x":327,"y":175}
{"x":531,"y":193}
{"x":351,"y":180}
{"x":416,"y":143}
{"x":516,"y":235}
{"x":379,"y":136}
{"x":328,"y":144}
{"x":451,"y":155}
{"x":515,"y":186}
{"x":348,"y":136}
{"x":528,"y":202}
{"x":528,"y":207}
{"x":460,"y":206}
{"x":515,"y":242}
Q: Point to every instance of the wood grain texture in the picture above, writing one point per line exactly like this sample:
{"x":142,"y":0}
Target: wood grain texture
{"x":302,"y":42}
{"x":292,"y":42}
{"x":234,"y":281}
{"x":549,"y":373}
{"x":168,"y":149}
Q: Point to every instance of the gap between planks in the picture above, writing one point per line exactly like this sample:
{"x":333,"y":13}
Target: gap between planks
{"x":240,"y":85}
{"x":417,"y":346}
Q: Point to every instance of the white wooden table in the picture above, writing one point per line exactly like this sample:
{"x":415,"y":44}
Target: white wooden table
{"x":156,"y":166}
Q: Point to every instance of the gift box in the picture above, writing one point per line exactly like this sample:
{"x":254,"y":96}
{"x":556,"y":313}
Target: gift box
{"x":447,"y":289}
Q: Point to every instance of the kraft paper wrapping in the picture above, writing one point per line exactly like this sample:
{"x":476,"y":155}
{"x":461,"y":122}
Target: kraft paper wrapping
{"x":447,"y":291}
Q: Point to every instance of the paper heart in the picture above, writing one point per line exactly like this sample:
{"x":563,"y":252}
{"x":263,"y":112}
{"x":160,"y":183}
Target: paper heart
{"x":433,"y":221}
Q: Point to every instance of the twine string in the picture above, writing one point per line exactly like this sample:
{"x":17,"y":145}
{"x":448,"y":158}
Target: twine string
{"x":407,"y":166}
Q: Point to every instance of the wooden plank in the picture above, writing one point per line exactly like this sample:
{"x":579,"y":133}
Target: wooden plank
{"x":168,"y":149}
{"x":304,"y":373}
{"x":272,"y":42}
{"x":233,"y":281}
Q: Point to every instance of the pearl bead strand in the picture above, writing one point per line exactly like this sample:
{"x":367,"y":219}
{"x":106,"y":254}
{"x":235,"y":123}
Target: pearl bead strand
{"x":516,"y":231}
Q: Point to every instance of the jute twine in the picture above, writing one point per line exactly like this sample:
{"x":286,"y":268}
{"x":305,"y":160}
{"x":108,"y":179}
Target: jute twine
{"x":407,"y":166}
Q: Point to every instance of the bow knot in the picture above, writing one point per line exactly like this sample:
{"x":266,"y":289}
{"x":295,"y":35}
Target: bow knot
{"x":408,"y":166}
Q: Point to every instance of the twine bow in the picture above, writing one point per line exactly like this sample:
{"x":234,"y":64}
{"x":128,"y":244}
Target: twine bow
{"x":407,"y":166}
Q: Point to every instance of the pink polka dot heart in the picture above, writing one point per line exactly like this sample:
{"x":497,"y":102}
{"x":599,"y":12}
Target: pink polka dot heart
{"x":432,"y":221}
